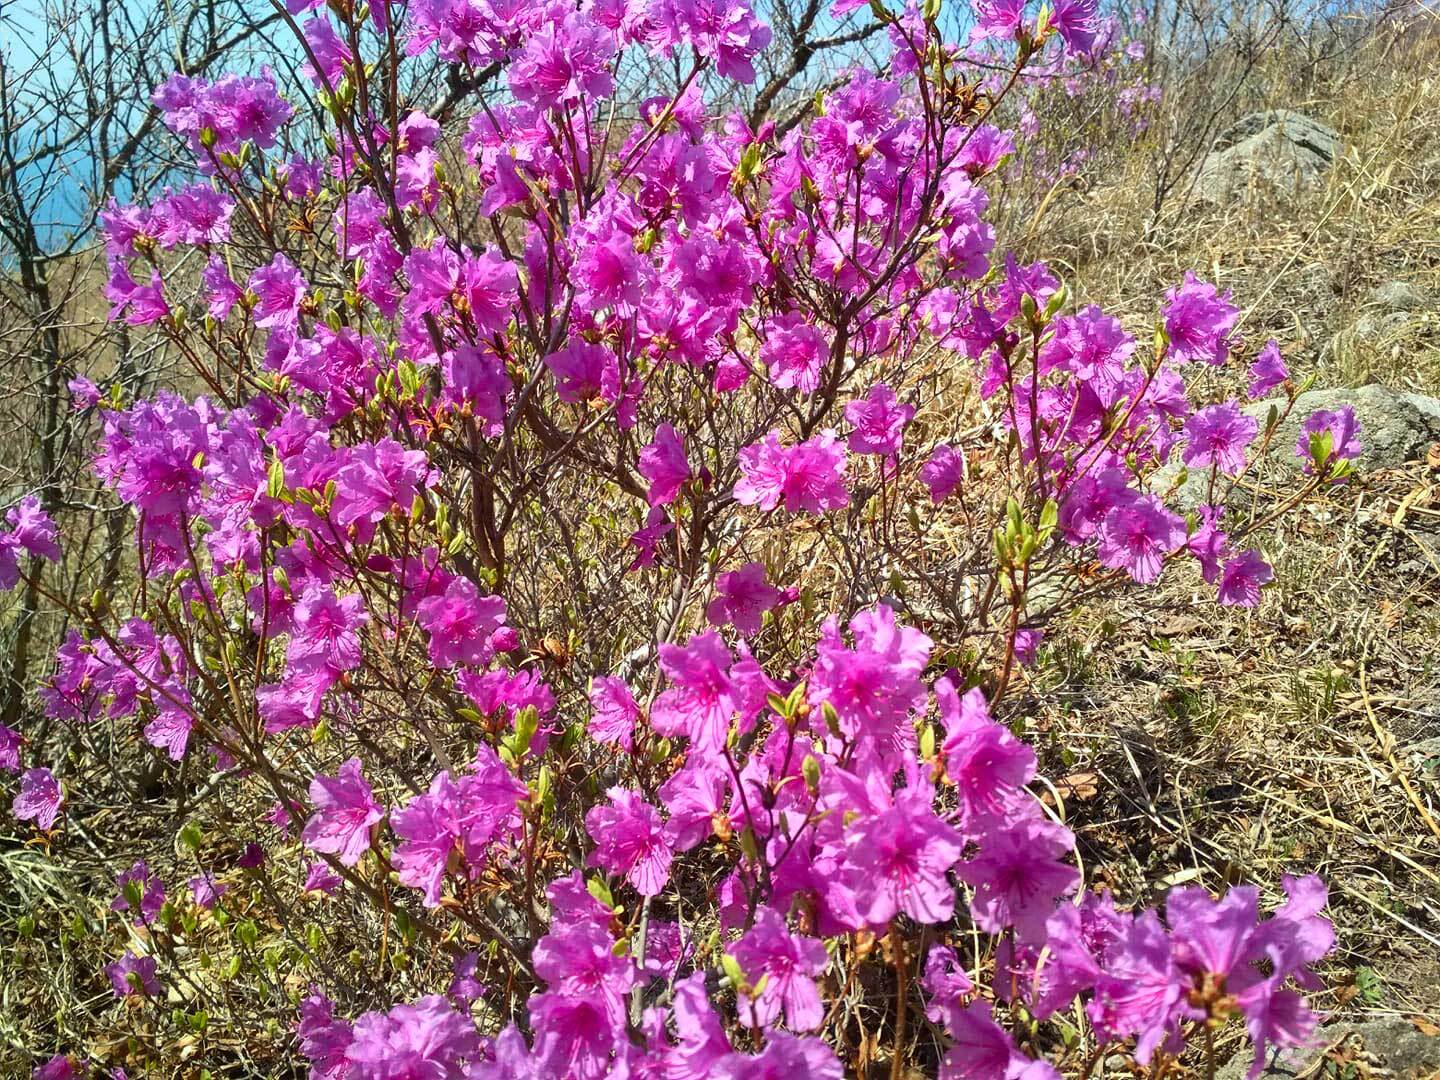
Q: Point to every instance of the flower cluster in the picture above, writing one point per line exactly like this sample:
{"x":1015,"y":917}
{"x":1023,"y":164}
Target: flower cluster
{"x":451,"y":366}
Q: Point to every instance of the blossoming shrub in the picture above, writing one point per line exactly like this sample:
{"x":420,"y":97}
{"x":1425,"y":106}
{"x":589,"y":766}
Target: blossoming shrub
{"x":607,"y":543}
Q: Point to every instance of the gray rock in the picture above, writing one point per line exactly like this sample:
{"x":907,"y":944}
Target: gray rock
{"x":1394,"y":1049}
{"x":1277,"y":148}
{"x":1395,"y":296}
{"x":1395,"y":427}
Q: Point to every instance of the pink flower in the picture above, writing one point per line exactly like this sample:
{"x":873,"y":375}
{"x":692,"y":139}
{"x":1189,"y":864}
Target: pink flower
{"x":1018,"y":877}
{"x":464,"y":816}
{"x":9,"y":749}
{"x":578,"y":958}
{"x":987,"y":764}
{"x":943,"y":472}
{"x":646,"y":540}
{"x":345,"y":808}
{"x":1336,"y":431}
{"x":376,"y":479}
{"x":795,"y":353}
{"x":428,"y":1040}
{"x":879,"y":421}
{"x":1198,"y":321}
{"x":584,"y":372}
{"x":1268,"y":371}
{"x":170,"y":730}
{"x":320,"y":878}
{"x":875,"y":687}
{"x":323,"y":1039}
{"x":206,"y":891}
{"x":133,"y":975}
{"x":32,"y":529}
{"x":326,"y":634}
{"x":998,"y":19}
{"x":898,"y":860}
{"x":39,"y":799}
{"x":702,"y":700}
{"x":788,"y":963}
{"x":1217,"y":437}
{"x":140,"y":890}
{"x":742,"y":598}
{"x":563,"y":62}
{"x":1242,"y":578}
{"x":663,"y":464}
{"x":279,"y":288}
{"x":630,"y":840}
{"x":1137,"y":537}
{"x":460,"y":623}
{"x":808,"y":477}
{"x":615,"y":712}
{"x":1077,"y":22}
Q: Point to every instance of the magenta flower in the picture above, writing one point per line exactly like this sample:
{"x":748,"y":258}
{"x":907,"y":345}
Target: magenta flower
{"x":345,"y":808}
{"x":39,"y":799}
{"x":614,"y":712}
{"x":1217,"y":437}
{"x":1198,"y":321}
{"x":879,"y":421}
{"x":702,"y":700}
{"x":982,"y":1050}
{"x":987,"y":764}
{"x":32,"y":529}
{"x":809,"y":476}
{"x":1137,"y":537}
{"x":630,"y":840}
{"x":457,"y":819}
{"x":428,"y":1040}
{"x":944,"y":981}
{"x":205,"y":891}
{"x":898,"y":861}
{"x":221,"y":293}
{"x":646,"y":540}
{"x":1018,"y":877}
{"x":320,"y":878}
{"x":1077,"y":22}
{"x":9,"y":749}
{"x":376,"y":479}
{"x":584,"y":372}
{"x":943,"y":472}
{"x":59,"y":1067}
{"x":133,"y":975}
{"x":663,"y":464}
{"x":795,"y":352}
{"x":460,"y":623}
{"x":997,"y":19}
{"x":788,"y":963}
{"x":1268,"y":371}
{"x":875,"y":687}
{"x":1343,"y":432}
{"x":170,"y":730}
{"x":279,"y":289}
{"x":1242,"y":578}
{"x":323,"y":1039}
{"x":139,"y":884}
{"x":742,"y":598}
{"x":578,"y":959}
{"x":564,"y":61}
{"x":327,"y":631}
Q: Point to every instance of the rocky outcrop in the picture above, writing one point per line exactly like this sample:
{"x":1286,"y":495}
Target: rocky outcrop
{"x":1278,"y":149}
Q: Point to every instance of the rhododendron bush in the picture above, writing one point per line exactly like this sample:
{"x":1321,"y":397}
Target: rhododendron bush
{"x":577,"y":622}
